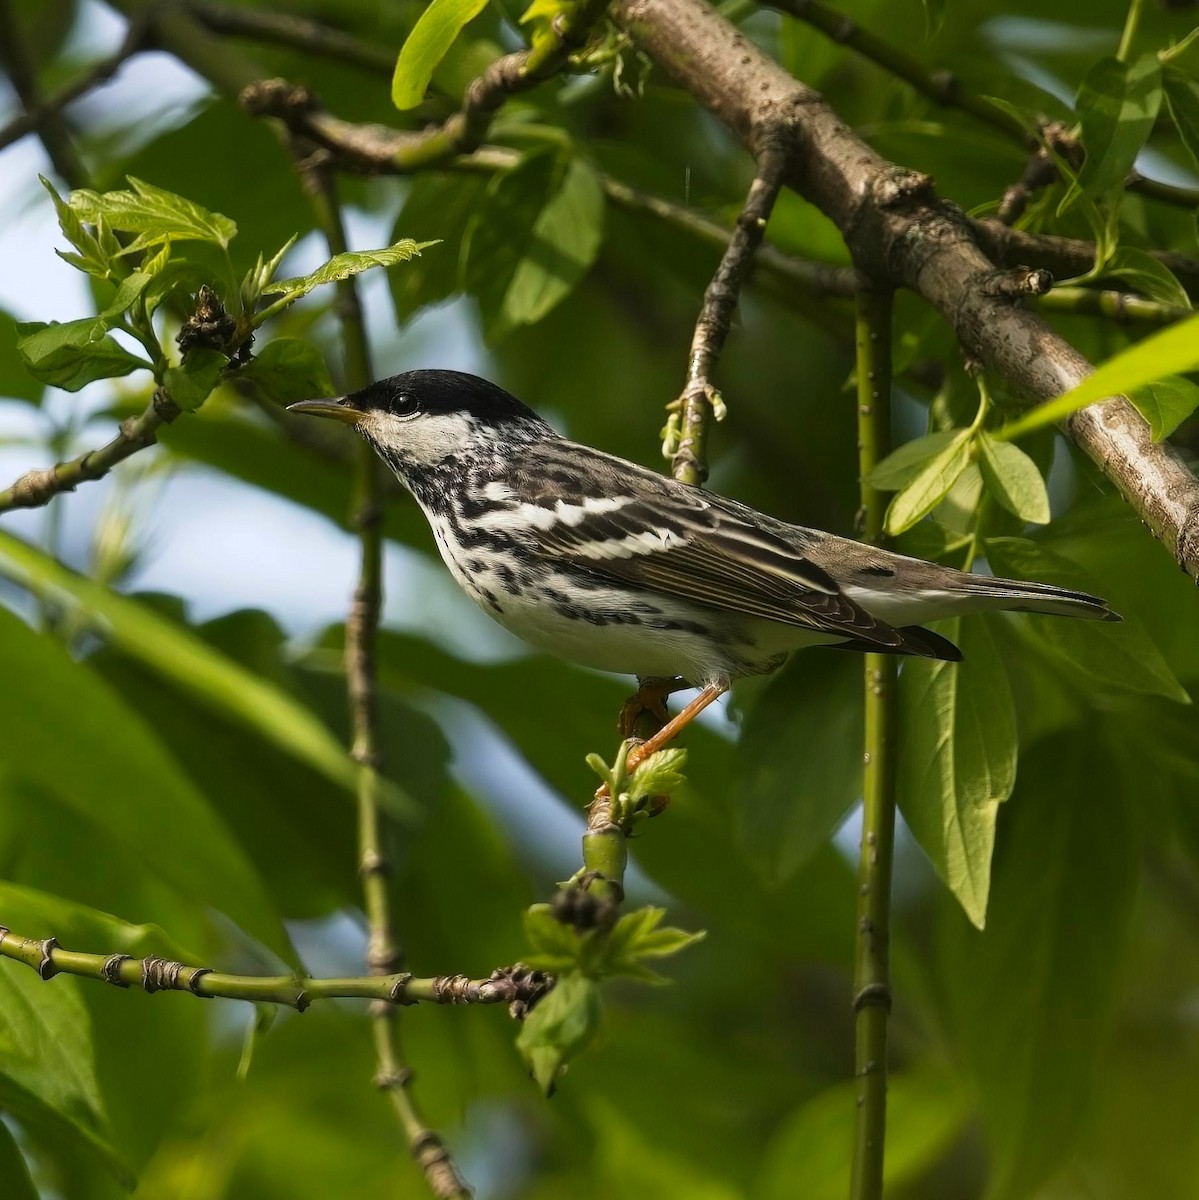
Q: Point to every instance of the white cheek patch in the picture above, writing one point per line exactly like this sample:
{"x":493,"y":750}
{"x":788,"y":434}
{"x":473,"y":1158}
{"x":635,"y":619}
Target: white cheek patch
{"x":427,"y":438}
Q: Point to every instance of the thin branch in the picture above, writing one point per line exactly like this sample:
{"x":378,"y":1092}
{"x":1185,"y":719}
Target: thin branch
{"x":297,"y":33}
{"x":51,"y":128}
{"x":901,"y":232}
{"x":945,"y":88}
{"x":1122,"y":307}
{"x":40,"y":486}
{"x":103,"y":69}
{"x":517,"y":986}
{"x":383,"y":954}
{"x":872,"y":976}
{"x":465,"y":130}
{"x":700,"y":397}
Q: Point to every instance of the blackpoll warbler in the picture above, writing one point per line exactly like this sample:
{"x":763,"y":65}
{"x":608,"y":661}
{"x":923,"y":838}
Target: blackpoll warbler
{"x":611,"y":565}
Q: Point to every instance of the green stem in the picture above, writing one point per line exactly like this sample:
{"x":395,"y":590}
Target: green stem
{"x":872,"y":980}
{"x":504,"y":986}
{"x":1132,"y":23}
{"x":383,"y":954}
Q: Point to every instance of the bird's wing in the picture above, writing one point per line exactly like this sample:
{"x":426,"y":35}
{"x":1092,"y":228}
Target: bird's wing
{"x":630,"y":524}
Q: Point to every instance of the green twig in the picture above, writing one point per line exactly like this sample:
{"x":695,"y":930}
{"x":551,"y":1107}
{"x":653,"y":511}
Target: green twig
{"x":872,"y":981}
{"x":383,"y":955}
{"x":1132,"y":23}
{"x":515,"y":985}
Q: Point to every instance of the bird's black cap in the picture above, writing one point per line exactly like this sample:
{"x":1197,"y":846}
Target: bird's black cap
{"x":427,"y":392}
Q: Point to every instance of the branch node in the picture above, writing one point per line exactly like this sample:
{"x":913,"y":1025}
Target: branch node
{"x":398,"y":992}
{"x":277,"y":98}
{"x":453,"y":989}
{"x":193,"y":982}
{"x":160,"y":974}
{"x":899,"y":187}
{"x":110,"y":972}
{"x":387,"y":1081}
{"x":877,"y":995}
{"x":1016,"y":282}
{"x":45,"y":965}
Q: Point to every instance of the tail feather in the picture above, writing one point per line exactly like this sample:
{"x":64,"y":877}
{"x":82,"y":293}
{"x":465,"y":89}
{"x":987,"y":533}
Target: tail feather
{"x":1019,"y":595}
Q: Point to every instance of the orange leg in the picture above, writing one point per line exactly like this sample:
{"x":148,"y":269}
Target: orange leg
{"x":648,"y":700}
{"x":677,"y":724}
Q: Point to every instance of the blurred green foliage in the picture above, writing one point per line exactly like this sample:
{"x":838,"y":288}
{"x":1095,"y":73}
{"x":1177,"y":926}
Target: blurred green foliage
{"x":176,"y":787}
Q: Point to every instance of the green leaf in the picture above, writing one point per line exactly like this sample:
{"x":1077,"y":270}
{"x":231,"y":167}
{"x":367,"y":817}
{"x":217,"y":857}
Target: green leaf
{"x":432,"y":36}
{"x":1182,"y":97}
{"x":445,"y":203}
{"x":559,"y":1028}
{"x":901,"y":466}
{"x":92,"y":257}
{"x":799,"y":762}
{"x":555,"y":946}
{"x":74,"y":354}
{"x":287,"y":369}
{"x":658,"y":775}
{"x":343,"y":266}
{"x":111,"y":753}
{"x":1173,"y":351}
{"x":1104,"y":657}
{"x":957,"y":759}
{"x":192,"y":383}
{"x":154,"y":214}
{"x":809,"y":1153}
{"x":535,"y":236}
{"x":14,"y":1171}
{"x":930,"y":485}
{"x":1013,"y":479}
{"x":1165,"y":404}
{"x":1032,"y":999}
{"x":934,"y":16}
{"x":1117,"y":104}
{"x":637,"y":936}
{"x":16,"y":381}
{"x":1147,"y":275}
{"x":175,"y":653}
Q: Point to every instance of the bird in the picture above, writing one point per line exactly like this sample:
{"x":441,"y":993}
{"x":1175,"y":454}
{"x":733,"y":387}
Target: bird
{"x":616,"y":567}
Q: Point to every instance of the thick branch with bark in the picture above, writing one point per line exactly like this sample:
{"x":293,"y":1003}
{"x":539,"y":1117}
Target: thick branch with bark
{"x":900,"y":232}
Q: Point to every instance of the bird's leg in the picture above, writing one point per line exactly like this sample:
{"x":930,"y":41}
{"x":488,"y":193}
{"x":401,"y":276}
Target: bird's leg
{"x":646,"y":705}
{"x":676,"y":724}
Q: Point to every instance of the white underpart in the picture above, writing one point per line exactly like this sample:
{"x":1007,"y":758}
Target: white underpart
{"x":917,"y":606}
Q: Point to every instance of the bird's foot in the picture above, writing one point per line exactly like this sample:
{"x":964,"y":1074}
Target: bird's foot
{"x":644,"y":712}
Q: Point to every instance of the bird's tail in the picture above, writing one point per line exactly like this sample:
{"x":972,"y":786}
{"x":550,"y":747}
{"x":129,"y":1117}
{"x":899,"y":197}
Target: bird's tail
{"x":1018,"y":595}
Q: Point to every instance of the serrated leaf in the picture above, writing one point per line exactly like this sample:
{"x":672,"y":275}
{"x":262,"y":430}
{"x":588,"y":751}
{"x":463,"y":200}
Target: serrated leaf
{"x":534,"y":237}
{"x":555,"y":946}
{"x":902,"y":465}
{"x":957,"y":759}
{"x":1165,"y":404}
{"x":193,"y":382}
{"x":1103,"y":656}
{"x":73,"y":354}
{"x":1182,"y":97}
{"x":343,"y":266}
{"x":799,"y":762}
{"x":432,"y":36}
{"x":287,"y":369}
{"x":1032,"y":998}
{"x":1172,"y":351}
{"x":1013,"y":479}
{"x":154,"y":214}
{"x":559,"y":1028}
{"x":174,"y":652}
{"x":658,"y":775}
{"x":930,"y":485}
{"x":1117,"y":104}
{"x":91,"y":258}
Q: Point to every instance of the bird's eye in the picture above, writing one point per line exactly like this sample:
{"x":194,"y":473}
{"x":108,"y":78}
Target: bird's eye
{"x":405,"y":405}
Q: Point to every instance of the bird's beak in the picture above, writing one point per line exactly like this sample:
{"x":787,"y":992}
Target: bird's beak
{"x":339,"y":409}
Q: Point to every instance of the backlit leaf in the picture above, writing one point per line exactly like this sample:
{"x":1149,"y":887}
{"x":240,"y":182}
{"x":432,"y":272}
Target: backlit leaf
{"x":930,"y":485}
{"x":432,"y":36}
{"x":343,"y":266}
{"x":1013,"y":479}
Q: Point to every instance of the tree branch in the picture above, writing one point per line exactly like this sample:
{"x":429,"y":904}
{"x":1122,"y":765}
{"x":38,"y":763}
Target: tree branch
{"x":40,"y":486}
{"x":899,"y":231}
{"x":700,"y":398}
{"x":297,"y":33}
{"x":872,"y":977}
{"x":517,"y":986}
